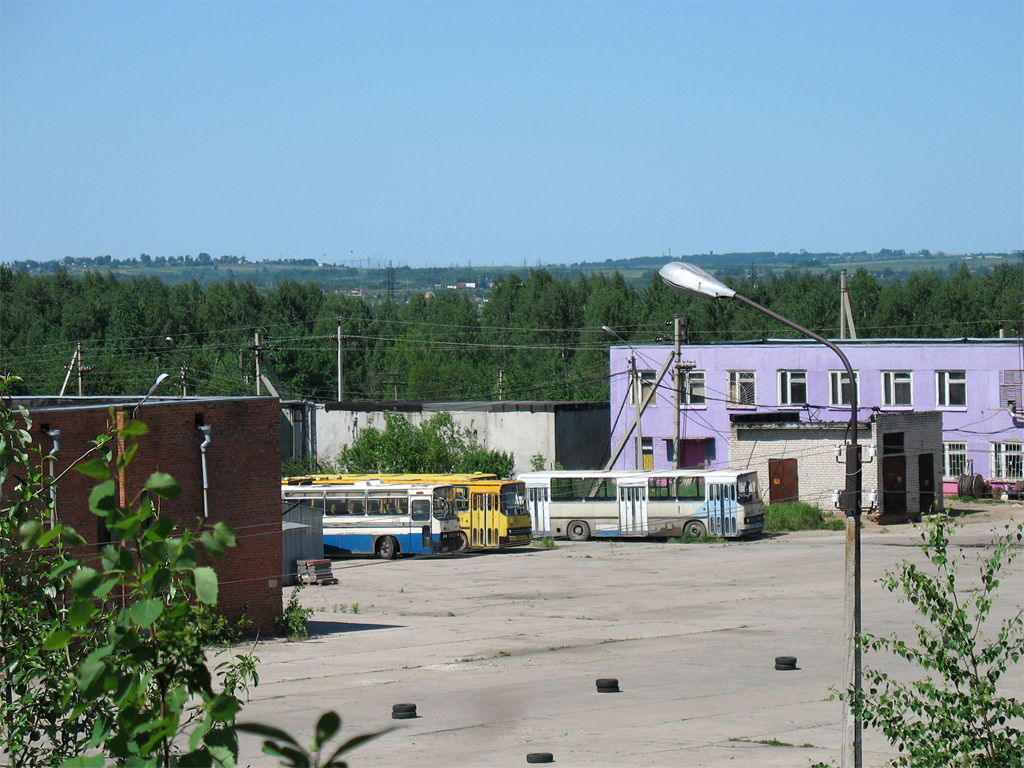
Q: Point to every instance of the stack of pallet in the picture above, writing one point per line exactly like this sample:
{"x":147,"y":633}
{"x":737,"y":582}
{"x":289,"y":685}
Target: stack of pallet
{"x":315,"y":572}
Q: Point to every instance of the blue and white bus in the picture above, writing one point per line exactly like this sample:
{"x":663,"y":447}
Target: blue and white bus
{"x":383,"y":519}
{"x":578,"y":504}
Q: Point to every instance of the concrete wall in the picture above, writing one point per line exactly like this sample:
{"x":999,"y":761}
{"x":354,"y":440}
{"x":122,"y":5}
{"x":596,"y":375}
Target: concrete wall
{"x":243,"y":470}
{"x":572,"y":434}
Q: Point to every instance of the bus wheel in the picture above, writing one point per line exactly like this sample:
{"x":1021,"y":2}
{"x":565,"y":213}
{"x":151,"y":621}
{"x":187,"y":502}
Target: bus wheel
{"x":462,"y":542}
{"x":695,"y":528}
{"x":577,"y":530}
{"x":387,"y":548}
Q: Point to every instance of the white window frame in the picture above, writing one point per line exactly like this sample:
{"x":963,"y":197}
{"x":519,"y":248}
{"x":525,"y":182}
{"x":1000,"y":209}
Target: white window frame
{"x":689,"y":383}
{"x":737,"y":381}
{"x":789,"y":379}
{"x":835,"y":389}
{"x":943,"y":380}
{"x":646,"y":379}
{"x":1008,"y":461}
{"x":954,"y":460}
{"x":892,"y":383}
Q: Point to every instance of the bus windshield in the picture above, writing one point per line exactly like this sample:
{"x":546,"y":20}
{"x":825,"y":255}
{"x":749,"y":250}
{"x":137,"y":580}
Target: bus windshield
{"x":513,"y":499}
{"x":443,"y":507}
{"x":746,"y":488}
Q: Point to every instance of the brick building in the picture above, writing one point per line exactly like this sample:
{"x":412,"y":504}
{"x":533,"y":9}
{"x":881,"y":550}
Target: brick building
{"x":240,"y":467}
{"x":805,"y":461}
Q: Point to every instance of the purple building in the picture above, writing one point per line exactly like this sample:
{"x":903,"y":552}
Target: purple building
{"x":975,"y":384}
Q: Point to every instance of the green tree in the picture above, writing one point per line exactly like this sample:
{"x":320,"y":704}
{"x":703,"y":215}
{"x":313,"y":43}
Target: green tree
{"x":955,"y":714}
{"x":438,"y":445}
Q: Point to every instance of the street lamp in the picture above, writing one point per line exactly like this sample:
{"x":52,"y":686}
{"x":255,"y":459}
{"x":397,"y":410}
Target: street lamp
{"x":694,"y":281}
{"x":152,"y":390}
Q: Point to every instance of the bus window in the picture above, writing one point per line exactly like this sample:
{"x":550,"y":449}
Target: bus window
{"x":421,"y":509}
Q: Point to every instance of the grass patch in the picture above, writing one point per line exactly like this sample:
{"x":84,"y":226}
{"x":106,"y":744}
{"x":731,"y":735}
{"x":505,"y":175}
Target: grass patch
{"x":688,"y":538}
{"x":546,"y":543}
{"x":798,"y":516}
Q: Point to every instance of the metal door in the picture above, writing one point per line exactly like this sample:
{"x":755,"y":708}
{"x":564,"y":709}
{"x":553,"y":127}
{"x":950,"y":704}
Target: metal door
{"x":785,"y":485}
{"x":632,"y":498}
{"x":538,"y":501}
{"x":926,"y":482}
{"x":721,"y":509}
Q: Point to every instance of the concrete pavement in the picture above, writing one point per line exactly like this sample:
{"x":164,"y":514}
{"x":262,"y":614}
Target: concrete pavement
{"x":500,"y":651}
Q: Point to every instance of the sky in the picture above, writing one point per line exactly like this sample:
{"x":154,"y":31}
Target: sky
{"x":507,"y":133}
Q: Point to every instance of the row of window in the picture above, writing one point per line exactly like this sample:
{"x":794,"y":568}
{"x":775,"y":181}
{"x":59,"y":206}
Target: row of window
{"x":1007,"y":461}
{"x":897,"y":388}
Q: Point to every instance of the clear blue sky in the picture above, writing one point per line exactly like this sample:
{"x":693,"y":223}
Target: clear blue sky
{"x":433,"y":134}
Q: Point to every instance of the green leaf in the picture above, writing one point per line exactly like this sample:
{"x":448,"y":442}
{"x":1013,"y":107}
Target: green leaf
{"x":58,"y":639}
{"x":206,"y":584}
{"x":224,"y":534}
{"x":161,"y":484}
{"x":81,"y":611}
{"x":224,"y":707}
{"x":211,"y":545}
{"x":95,"y":761}
{"x":94,"y":468}
{"x":102,"y":499}
{"x":126,"y":458}
{"x":145,"y":612}
{"x":134,"y":429}
{"x":326,"y":727}
{"x":85,"y":581}
{"x":29,"y":533}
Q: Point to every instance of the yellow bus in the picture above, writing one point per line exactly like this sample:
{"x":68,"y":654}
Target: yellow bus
{"x":492,"y":512}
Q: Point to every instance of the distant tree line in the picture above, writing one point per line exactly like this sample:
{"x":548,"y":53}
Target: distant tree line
{"x":537,"y":337}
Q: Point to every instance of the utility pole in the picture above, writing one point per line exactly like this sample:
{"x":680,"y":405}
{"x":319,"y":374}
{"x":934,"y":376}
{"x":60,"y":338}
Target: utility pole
{"x":845,"y":312}
{"x":259,"y":360}
{"x":184,"y":381}
{"x":634,"y":383}
{"x":501,"y":384}
{"x":679,"y":325}
{"x":341,"y":379}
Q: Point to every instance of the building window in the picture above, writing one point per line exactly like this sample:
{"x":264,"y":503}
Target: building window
{"x":792,"y":387}
{"x":892,"y":443}
{"x":647,"y":379}
{"x":741,"y":388}
{"x":839,"y":390}
{"x":1011,"y":387}
{"x":647,"y":451}
{"x":691,"y":388}
{"x":954,"y":460}
{"x":951,"y":388}
{"x":1008,"y":461}
{"x":896,"y":388}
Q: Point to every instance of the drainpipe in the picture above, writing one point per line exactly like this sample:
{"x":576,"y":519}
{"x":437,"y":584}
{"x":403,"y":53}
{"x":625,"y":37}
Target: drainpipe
{"x":53,"y":434}
{"x":206,"y":480}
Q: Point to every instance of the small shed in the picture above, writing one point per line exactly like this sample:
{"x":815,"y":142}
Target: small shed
{"x":302,"y":533}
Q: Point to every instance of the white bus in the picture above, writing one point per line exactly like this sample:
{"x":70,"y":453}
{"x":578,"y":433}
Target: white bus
{"x":383,"y":519}
{"x":578,"y":504}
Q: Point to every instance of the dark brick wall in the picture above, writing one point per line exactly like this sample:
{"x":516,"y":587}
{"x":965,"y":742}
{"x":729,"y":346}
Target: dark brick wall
{"x":243,"y":470}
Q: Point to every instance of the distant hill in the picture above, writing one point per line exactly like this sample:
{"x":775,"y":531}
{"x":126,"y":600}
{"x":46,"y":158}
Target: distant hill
{"x":377,"y":280}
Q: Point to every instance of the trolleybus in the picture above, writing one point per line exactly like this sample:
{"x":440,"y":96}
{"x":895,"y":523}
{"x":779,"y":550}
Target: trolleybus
{"x":578,"y":504}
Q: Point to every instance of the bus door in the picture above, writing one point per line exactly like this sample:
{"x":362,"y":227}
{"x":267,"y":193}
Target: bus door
{"x":538,"y":502}
{"x":482,"y":519}
{"x":632,"y":497}
{"x":722,"y":509}
{"x":419,"y":536}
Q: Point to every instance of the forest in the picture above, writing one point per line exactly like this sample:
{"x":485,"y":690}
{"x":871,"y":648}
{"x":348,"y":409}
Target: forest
{"x":537,"y":337}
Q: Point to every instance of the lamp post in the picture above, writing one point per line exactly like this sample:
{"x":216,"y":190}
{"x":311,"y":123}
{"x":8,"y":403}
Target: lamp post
{"x":694,"y":281}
